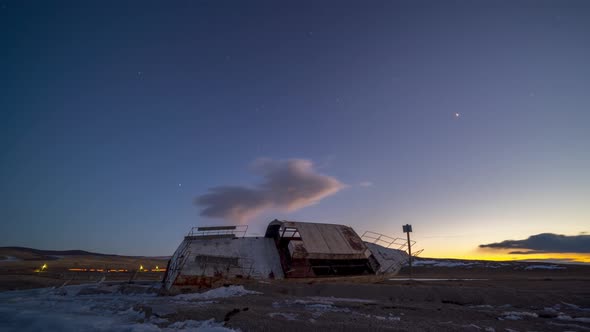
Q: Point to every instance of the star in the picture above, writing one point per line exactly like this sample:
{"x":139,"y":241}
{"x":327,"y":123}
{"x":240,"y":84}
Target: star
{"x":457,"y":115}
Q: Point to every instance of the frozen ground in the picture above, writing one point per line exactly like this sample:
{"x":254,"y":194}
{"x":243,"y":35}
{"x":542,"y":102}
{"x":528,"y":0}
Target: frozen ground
{"x":545,"y":267}
{"x":437,"y":305}
{"x":483,"y":296}
{"x":102,"y":308}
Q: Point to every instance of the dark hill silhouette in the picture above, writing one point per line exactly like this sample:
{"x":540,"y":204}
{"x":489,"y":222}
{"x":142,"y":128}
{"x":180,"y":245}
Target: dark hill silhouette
{"x":49,"y":253}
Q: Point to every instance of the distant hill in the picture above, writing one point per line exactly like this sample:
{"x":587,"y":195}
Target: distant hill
{"x":27,"y":254}
{"x":30,"y":254}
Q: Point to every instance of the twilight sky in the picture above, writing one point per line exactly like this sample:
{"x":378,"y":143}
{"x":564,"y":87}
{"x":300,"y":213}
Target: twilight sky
{"x":123,"y":124}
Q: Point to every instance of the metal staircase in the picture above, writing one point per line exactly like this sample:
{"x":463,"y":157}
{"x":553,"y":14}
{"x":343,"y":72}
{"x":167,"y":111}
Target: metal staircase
{"x":177,"y":263}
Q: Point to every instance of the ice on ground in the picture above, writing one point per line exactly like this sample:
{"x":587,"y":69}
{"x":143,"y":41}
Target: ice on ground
{"x":285,"y":315}
{"x":332,"y":299}
{"x":518,"y":315}
{"x":472,"y":326}
{"x":192,"y":325}
{"x":316,"y":307}
{"x":481,"y":306}
{"x":442,"y":263}
{"x":545,"y":267}
{"x":82,"y":308}
{"x":573,"y":306}
{"x":571,"y":326}
{"x":389,"y":317}
{"x":221,"y":292}
{"x":574,"y":319}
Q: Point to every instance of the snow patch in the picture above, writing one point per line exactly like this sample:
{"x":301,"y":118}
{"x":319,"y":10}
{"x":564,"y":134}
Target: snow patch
{"x":332,"y":299}
{"x":574,"y":319}
{"x":285,"y":315}
{"x":573,"y":306}
{"x":545,"y":267}
{"x":389,"y":317}
{"x":481,"y":306}
{"x":518,"y":315}
{"x":316,"y":307}
{"x":192,"y":325}
{"x":432,"y":263}
{"x":221,"y":292}
{"x":64,"y":309}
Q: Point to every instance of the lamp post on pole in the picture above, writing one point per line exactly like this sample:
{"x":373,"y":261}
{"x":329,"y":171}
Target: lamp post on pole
{"x":407,"y":228}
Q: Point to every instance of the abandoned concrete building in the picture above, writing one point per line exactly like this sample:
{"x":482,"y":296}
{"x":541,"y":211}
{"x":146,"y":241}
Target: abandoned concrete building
{"x":289,"y":249}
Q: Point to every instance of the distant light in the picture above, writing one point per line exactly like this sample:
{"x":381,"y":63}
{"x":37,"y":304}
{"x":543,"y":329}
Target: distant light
{"x":457,"y":115}
{"x":180,"y":184}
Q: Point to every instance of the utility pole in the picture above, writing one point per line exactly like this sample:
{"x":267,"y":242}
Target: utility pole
{"x":408,"y":229}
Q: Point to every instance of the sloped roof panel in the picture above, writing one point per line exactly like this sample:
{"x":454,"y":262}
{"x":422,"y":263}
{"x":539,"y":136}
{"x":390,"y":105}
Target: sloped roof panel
{"x":329,"y":241}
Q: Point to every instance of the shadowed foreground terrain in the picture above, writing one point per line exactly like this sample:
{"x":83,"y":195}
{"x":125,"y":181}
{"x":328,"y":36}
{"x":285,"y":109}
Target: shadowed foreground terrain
{"x":480,"y":296}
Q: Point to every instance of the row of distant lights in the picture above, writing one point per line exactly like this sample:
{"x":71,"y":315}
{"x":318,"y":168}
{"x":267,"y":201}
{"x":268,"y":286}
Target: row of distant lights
{"x":43,"y":268}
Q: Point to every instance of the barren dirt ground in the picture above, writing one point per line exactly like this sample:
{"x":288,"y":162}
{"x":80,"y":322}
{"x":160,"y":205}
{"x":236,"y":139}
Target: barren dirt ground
{"x":508,"y":298}
{"x":507,"y":301}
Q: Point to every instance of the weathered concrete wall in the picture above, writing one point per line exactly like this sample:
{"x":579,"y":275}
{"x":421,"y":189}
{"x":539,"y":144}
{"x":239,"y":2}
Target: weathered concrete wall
{"x":390,"y":260}
{"x":240,"y":257}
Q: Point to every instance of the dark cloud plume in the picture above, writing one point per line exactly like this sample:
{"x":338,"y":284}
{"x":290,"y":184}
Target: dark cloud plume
{"x":287,"y":185}
{"x":545,"y":243}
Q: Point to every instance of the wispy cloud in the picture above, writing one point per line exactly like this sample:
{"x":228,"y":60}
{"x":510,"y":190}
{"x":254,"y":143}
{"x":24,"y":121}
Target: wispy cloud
{"x":545,"y":243}
{"x":366,"y":184}
{"x":287,"y":185}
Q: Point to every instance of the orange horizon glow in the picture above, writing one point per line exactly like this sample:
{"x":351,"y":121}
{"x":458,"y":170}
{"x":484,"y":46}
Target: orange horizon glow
{"x":503,"y":256}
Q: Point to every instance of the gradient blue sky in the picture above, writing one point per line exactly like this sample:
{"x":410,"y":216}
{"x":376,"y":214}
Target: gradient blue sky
{"x":106,"y":107}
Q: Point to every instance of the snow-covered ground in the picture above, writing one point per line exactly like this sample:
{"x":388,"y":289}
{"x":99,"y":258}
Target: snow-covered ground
{"x":232,"y":291}
{"x":102,"y":308}
{"x":434,"y":263}
{"x":319,"y":305}
{"x":545,"y":267}
{"x":485,"y":264}
{"x":9,"y":259}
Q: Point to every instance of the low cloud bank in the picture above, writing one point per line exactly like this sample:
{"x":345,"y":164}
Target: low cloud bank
{"x":287,"y":185}
{"x":545,"y":243}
